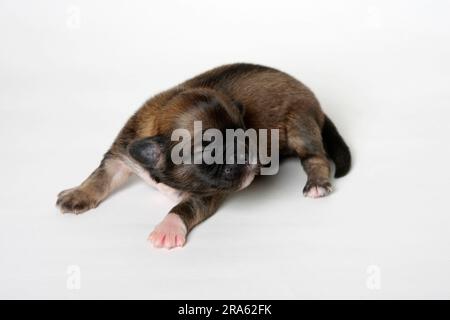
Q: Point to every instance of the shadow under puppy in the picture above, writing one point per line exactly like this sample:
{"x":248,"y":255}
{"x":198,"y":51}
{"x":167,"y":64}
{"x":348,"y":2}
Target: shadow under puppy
{"x":228,"y":97}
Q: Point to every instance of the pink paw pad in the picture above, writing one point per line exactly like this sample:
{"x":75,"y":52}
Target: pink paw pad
{"x":170,"y":233}
{"x":317,"y":191}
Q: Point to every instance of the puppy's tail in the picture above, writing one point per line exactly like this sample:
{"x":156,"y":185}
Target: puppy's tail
{"x":336,"y":148}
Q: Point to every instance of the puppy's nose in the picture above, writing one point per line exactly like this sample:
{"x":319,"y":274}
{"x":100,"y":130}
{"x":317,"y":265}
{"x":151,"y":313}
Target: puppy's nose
{"x":232,"y":172}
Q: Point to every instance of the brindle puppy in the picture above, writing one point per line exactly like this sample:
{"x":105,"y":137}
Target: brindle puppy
{"x":228,"y":97}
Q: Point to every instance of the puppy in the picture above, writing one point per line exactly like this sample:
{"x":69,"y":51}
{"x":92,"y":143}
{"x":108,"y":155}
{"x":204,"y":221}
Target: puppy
{"x":228,"y":97}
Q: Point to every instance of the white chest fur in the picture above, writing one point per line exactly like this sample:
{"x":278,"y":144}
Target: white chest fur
{"x":137,"y":169}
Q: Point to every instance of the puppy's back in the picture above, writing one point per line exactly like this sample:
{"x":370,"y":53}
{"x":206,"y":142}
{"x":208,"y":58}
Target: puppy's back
{"x":267,"y":94}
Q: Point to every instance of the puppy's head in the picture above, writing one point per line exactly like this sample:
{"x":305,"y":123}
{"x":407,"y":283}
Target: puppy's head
{"x":156,"y":153}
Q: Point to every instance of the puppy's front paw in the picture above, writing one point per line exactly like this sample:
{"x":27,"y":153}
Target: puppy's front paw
{"x":170,"y":233}
{"x":75,"y":201}
{"x":317,"y":189}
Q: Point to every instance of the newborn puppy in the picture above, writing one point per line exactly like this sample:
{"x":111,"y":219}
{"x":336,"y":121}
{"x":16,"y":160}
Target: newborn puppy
{"x":236,"y":96}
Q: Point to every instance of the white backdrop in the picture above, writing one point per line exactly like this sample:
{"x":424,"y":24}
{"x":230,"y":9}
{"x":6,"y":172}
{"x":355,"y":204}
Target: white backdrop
{"x":72,"y":72}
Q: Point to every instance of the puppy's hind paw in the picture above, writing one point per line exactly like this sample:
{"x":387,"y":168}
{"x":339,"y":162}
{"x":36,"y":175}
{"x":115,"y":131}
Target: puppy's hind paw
{"x":75,"y":201}
{"x":317,"y":190}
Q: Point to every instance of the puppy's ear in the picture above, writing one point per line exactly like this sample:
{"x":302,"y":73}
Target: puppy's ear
{"x":149,"y":151}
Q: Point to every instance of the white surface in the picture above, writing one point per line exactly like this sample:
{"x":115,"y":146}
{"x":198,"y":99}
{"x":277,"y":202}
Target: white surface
{"x":381,"y":71}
